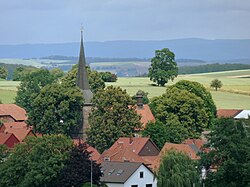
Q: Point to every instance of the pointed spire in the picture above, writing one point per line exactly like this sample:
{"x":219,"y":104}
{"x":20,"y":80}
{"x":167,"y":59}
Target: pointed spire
{"x":82,"y":75}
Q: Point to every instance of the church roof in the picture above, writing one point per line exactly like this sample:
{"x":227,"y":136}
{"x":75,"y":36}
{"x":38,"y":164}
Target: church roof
{"x":82,"y":75}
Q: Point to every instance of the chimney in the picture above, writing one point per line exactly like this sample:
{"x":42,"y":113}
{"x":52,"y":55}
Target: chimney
{"x":139,"y":97}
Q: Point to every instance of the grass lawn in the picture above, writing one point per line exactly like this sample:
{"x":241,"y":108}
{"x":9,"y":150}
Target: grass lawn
{"x":7,"y":96}
{"x":228,"y":97}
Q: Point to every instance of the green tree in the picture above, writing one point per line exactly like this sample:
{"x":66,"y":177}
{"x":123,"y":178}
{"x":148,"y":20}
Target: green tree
{"x":216,"y":83}
{"x":3,"y":152}
{"x":163,"y":67}
{"x":77,"y":169}
{"x":30,"y":87}
{"x":3,"y":73}
{"x":95,"y":80}
{"x":57,"y":72}
{"x":230,"y":152}
{"x":200,"y":91}
{"x":182,"y":112}
{"x":108,"y":77}
{"x":111,"y":117}
{"x":36,"y":162}
{"x":57,"y":109}
{"x":177,"y":170}
{"x":20,"y":72}
{"x":157,"y":132}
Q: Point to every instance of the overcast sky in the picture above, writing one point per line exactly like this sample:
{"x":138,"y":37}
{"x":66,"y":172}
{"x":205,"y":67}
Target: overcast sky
{"x":58,"y":21}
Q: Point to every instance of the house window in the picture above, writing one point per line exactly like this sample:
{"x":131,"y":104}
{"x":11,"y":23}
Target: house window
{"x":134,"y":185}
{"x":149,"y":185}
{"x":141,"y":174}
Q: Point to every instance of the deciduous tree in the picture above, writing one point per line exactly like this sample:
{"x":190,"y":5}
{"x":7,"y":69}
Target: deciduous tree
{"x":182,"y":112}
{"x":30,"y":87}
{"x":178,"y":170}
{"x":200,"y":91}
{"x":112,"y":116}
{"x":56,"y":109}
{"x":157,"y":132}
{"x":230,"y":152}
{"x":3,"y":73}
{"x":36,"y":162}
{"x":77,"y":169}
{"x":163,"y":67}
{"x":216,"y":83}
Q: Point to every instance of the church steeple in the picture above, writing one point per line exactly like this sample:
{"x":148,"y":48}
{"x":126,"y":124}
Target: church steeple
{"x":82,"y":75}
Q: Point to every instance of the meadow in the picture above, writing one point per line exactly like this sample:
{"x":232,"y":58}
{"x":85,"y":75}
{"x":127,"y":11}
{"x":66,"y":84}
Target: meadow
{"x":235,"y":93}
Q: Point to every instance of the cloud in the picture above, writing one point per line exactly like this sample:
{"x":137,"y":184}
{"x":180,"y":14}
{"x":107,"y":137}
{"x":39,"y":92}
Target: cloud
{"x":43,"y":21}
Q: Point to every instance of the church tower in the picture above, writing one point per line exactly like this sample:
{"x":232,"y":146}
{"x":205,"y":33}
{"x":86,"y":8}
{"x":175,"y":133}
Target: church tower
{"x":83,"y":83}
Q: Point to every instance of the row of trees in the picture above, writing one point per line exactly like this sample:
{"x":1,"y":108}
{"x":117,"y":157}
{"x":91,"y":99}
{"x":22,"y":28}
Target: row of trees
{"x":50,"y":160}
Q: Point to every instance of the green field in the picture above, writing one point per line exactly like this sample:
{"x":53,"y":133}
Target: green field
{"x":235,"y":93}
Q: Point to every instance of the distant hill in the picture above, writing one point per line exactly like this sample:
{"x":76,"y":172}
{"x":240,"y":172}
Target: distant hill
{"x":208,"y":50}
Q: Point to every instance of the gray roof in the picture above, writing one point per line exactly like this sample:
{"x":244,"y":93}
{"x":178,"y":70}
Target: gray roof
{"x":82,"y":75}
{"x":118,"y":172}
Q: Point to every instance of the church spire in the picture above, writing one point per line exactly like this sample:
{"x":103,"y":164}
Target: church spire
{"x":82,"y":75}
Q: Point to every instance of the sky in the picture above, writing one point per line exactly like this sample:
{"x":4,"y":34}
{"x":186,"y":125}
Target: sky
{"x":59,"y":21}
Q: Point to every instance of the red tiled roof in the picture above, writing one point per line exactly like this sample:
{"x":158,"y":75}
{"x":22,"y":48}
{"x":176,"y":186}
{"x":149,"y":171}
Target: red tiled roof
{"x":4,"y":137}
{"x":184,"y":148}
{"x":198,"y":142}
{"x":19,"y":129}
{"x":16,"y":112}
{"x":128,"y":149}
{"x":146,"y":114}
{"x":95,"y":154}
{"x":227,"y":113}
{"x":134,"y":144}
{"x":120,"y":154}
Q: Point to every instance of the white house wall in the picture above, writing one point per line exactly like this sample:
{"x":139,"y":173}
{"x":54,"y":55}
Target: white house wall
{"x":148,"y":178}
{"x":114,"y":185}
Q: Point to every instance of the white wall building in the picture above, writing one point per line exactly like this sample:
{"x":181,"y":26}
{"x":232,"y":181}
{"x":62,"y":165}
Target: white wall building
{"x":127,"y":174}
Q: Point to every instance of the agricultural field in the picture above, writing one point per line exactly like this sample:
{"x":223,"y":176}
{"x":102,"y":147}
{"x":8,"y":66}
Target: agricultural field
{"x":235,"y":93}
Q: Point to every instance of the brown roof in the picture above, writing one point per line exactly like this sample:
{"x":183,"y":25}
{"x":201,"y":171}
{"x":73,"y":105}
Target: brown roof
{"x":95,"y":154}
{"x":146,"y":114}
{"x":19,"y":129}
{"x":135,"y":144}
{"x":16,"y":112}
{"x":227,"y":113}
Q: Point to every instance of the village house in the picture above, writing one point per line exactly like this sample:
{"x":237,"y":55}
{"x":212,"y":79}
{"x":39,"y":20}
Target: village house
{"x":19,"y":129}
{"x":133,"y":149}
{"x":190,"y":147}
{"x":227,"y":113}
{"x":127,"y":174}
{"x":8,"y":139}
{"x":12,"y":113}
